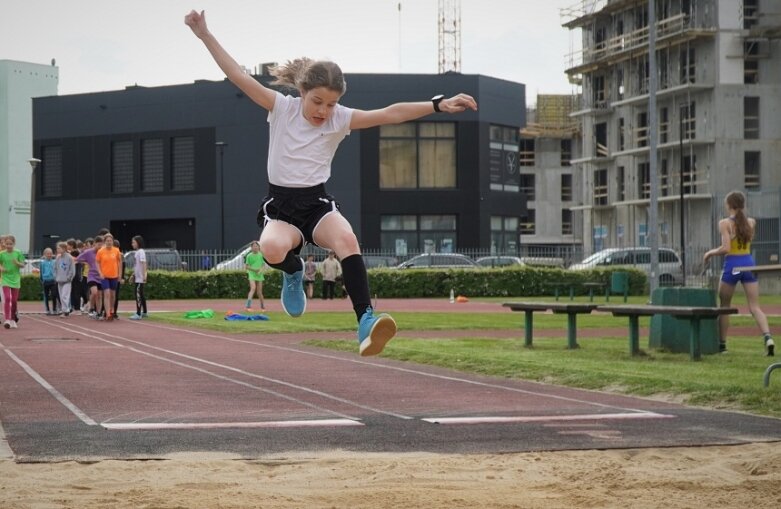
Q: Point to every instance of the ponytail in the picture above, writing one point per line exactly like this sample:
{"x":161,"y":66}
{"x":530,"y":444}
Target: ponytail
{"x":304,"y":74}
{"x":744,"y":232}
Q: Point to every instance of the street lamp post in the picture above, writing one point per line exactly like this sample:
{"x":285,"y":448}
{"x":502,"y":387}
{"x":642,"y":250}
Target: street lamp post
{"x":34,"y":163}
{"x":221,"y":147}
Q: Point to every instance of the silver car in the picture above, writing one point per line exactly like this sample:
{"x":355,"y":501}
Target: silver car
{"x":670,"y":266}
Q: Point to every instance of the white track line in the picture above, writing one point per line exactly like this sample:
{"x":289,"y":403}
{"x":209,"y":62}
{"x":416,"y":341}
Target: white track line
{"x":90,"y":333}
{"x":545,"y":418}
{"x":398,"y":368}
{"x":221,"y":425}
{"x":54,"y":392}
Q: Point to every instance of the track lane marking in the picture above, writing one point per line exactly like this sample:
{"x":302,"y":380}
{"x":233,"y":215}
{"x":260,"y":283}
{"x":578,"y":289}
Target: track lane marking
{"x":545,"y":418}
{"x":83,"y":417}
{"x":401,"y":369}
{"x":89,"y":333}
{"x":142,"y":426}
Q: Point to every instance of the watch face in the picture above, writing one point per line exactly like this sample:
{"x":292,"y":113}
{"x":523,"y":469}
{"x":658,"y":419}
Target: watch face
{"x":438,"y":97}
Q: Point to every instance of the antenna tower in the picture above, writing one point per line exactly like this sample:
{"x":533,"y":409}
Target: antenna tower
{"x":449,"y":18}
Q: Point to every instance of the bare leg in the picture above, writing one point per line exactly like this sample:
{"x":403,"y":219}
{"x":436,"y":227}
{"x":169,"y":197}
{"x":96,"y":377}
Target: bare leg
{"x":726,"y":292}
{"x":752,"y":296}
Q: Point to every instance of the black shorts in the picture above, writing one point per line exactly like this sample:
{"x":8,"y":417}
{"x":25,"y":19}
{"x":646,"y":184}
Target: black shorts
{"x":302,"y":208}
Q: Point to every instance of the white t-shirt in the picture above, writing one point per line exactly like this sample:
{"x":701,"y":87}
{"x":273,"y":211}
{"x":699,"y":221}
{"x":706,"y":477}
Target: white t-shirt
{"x":138,"y":269}
{"x":300,"y":154}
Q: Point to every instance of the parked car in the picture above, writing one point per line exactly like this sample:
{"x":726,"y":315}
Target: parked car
{"x":499,"y":261}
{"x":377,"y":261}
{"x":670,"y":266}
{"x":31,"y":267}
{"x":157,"y":259}
{"x":439,"y":261}
{"x":235,"y":263}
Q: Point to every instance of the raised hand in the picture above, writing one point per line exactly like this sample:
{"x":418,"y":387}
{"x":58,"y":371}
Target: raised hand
{"x":197,"y":23}
{"x":458,"y":103}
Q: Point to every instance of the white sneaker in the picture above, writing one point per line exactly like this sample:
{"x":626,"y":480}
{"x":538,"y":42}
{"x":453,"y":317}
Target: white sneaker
{"x":14,"y":325}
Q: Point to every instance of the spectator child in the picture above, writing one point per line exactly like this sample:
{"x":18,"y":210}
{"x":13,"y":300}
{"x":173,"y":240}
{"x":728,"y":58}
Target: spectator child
{"x":119,"y":281}
{"x":49,"y":284}
{"x":109,"y":262}
{"x":331,"y":270}
{"x":93,"y":275}
{"x":139,"y":276}
{"x":11,"y":261}
{"x":254,"y":262}
{"x":64,"y":272}
{"x":310,"y":273}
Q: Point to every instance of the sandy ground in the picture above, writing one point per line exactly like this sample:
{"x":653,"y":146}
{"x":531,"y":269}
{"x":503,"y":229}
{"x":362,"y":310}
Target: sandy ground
{"x":713,"y":477}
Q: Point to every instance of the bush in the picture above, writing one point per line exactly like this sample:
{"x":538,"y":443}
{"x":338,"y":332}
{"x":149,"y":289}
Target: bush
{"x":521,"y":281}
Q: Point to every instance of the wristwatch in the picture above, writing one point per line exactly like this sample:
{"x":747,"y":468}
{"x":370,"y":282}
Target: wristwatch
{"x":436,"y":100}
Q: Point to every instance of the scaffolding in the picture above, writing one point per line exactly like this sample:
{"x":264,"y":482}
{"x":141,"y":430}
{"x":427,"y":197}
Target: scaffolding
{"x":551,"y":117}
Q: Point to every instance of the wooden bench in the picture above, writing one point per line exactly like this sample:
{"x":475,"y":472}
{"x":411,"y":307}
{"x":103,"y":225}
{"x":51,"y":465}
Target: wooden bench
{"x":692,"y":314}
{"x":558,"y":286}
{"x":593,"y":285}
{"x":762,"y":269}
{"x":571,"y":310}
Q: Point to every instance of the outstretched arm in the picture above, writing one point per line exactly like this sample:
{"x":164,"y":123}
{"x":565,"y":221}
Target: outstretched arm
{"x":403,"y":112}
{"x":254,"y":90}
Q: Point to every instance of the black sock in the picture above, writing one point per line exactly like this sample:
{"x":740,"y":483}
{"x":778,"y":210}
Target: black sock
{"x":290,"y":265}
{"x":356,"y":281}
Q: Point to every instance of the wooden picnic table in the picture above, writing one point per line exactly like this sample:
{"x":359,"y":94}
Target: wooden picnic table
{"x":572,"y":311}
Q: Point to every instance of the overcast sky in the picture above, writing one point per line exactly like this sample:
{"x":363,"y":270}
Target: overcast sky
{"x":107,"y":44}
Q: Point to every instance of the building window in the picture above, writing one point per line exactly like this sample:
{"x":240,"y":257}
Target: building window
{"x":750,"y":13}
{"x":51,"y":171}
{"x":644,"y":180}
{"x":526,"y":152}
{"x":566,"y":222}
{"x":620,"y":82}
{"x":687,"y":65}
{"x":689,"y":121}
{"x":410,"y":233}
{"x":566,"y":152}
{"x":600,"y":187}
{"x":504,"y":235}
{"x":751,"y":169}
{"x":503,"y":158}
{"x":418,"y":155}
{"x":152,"y":166}
{"x":664,"y":125}
{"x":528,"y":222}
{"x":122,"y":167}
{"x":527,"y":186}
{"x":664,"y":77}
{"x":621,"y":134}
{"x":600,"y":95}
{"x":566,"y":187}
{"x":621,"y":178}
{"x":751,"y":62}
{"x":183,"y":163}
{"x":642,"y":74}
{"x":642,"y":129}
{"x":751,"y":118}
{"x":664,"y":173}
{"x":689,"y":173}
{"x":600,"y":133}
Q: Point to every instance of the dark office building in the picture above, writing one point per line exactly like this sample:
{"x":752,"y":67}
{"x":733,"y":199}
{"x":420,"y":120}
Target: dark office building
{"x":185,"y":166}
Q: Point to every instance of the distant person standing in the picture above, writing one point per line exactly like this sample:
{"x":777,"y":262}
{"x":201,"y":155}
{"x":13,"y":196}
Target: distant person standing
{"x":139,"y":276}
{"x":331,"y":269}
{"x":11,"y":263}
{"x":120,"y":280}
{"x":64,"y":272}
{"x":310,"y":274}
{"x":254,"y":263}
{"x":49,"y":283}
{"x":109,"y":262}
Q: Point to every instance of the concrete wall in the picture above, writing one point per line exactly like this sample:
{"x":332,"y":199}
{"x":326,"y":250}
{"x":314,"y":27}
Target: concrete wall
{"x":19,"y":82}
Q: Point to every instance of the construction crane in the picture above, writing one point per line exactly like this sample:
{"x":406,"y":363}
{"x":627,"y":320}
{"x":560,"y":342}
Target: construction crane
{"x":449,"y":18}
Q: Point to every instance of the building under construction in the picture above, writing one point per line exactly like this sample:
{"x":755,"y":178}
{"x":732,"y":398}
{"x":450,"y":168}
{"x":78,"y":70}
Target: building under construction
{"x":718,"y":94}
{"x":546,"y":147}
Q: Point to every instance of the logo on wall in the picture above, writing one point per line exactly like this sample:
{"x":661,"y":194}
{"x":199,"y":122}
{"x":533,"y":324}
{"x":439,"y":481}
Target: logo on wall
{"x":511,"y":162}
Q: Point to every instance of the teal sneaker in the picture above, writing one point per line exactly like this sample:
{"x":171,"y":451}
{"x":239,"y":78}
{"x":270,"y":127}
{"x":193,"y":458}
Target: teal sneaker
{"x":135,"y":316}
{"x":293,"y":297}
{"x":374,"y":332}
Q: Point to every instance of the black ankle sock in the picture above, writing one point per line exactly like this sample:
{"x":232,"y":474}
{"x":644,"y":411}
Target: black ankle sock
{"x":290,"y":265}
{"x":356,"y":281}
